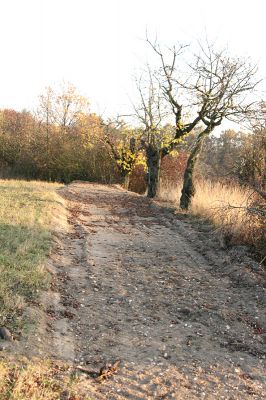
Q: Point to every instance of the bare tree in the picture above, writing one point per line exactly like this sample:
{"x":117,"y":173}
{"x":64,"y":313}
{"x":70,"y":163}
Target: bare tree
{"x":251,"y":167}
{"x":62,"y":106}
{"x":59,"y":109}
{"x":150,"y":113}
{"x":212,"y":87}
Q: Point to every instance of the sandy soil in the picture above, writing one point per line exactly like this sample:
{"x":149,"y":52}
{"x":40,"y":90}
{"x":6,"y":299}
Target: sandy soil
{"x":137,"y":282}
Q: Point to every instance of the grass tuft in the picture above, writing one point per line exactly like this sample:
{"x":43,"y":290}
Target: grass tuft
{"x":26,"y":212}
{"x":231,"y":208}
{"x":38,"y":380}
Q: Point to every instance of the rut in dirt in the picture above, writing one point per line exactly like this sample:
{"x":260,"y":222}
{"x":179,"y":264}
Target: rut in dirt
{"x":136,"y":283}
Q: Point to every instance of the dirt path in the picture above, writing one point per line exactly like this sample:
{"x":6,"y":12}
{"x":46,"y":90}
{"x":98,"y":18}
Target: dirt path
{"x":137,"y":283}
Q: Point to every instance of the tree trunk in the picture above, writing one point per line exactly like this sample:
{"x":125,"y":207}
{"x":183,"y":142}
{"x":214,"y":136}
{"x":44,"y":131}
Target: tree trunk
{"x":188,"y":190}
{"x":126,"y":180}
{"x":153,"y":164}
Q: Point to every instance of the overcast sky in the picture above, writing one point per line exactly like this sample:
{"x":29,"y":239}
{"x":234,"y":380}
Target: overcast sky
{"x":98,"y":45}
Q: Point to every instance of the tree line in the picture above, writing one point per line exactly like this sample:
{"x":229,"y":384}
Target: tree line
{"x":179,"y":106}
{"x":60,"y":141}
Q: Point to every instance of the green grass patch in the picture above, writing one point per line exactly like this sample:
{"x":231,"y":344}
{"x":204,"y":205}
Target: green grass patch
{"x":26,"y":214}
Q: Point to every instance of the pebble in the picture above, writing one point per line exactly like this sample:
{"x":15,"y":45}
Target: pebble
{"x":5,"y":334}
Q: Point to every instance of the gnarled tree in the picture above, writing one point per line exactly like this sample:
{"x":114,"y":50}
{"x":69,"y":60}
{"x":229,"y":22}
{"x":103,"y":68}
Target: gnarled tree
{"x":150,"y":113}
{"x":212,"y":87}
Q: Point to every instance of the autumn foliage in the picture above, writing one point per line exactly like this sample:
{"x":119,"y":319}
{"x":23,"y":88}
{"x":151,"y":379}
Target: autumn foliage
{"x":61,"y":141}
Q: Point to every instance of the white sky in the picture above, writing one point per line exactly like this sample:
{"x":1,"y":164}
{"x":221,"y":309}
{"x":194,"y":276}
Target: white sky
{"x":99,"y":44}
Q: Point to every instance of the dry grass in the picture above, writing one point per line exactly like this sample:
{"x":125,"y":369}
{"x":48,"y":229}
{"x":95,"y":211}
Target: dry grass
{"x":38,"y":380}
{"x":229,"y":207}
{"x":26,"y":211}
{"x":27,"y":215}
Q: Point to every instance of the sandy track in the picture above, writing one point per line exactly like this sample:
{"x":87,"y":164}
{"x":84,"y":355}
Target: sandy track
{"x":138,"y":283}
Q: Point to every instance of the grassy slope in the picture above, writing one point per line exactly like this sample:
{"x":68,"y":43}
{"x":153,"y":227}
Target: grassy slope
{"x":26,"y":210}
{"x":26,"y":221}
{"x":226,"y":206}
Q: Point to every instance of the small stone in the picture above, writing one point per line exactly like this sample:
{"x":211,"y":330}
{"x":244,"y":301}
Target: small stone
{"x":65,"y":395}
{"x":5,"y":334}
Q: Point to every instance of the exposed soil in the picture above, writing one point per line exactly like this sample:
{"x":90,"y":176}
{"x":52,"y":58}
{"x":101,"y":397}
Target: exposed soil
{"x":136,"y":282}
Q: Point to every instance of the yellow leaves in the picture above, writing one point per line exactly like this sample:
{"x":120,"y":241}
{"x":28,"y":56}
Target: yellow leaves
{"x":127,"y":160}
{"x":124,"y":165}
{"x":174,"y":153}
{"x":180,"y":125}
{"x":179,"y":140}
{"x":141,"y":160}
{"x":62,"y":105}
